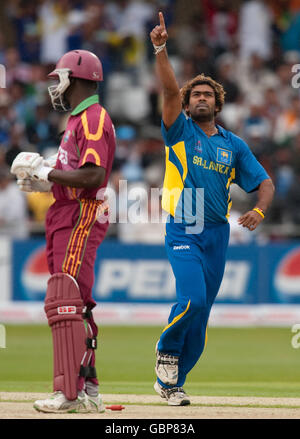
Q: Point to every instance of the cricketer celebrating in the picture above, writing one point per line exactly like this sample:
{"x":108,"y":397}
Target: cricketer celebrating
{"x":73,"y":228}
{"x":199,"y":154}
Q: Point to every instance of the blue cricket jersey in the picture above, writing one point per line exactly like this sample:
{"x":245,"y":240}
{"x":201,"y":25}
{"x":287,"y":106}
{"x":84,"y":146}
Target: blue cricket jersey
{"x":194,"y":160}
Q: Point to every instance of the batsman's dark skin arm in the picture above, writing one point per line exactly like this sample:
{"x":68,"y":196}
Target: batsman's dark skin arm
{"x":88,"y":176}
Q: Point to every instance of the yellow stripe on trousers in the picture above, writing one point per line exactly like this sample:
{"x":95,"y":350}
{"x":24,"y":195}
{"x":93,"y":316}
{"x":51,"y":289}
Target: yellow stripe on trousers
{"x":79,"y":232}
{"x":73,"y":237}
{"x":82,"y":239}
{"x":178,"y":317}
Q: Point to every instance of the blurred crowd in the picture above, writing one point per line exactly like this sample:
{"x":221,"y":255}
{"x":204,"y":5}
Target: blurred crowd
{"x":252,"y":47}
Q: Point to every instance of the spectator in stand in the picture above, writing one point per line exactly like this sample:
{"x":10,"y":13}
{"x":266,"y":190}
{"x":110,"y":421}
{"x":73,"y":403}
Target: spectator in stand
{"x":283,"y":172}
{"x":38,"y":204}
{"x":239,"y":235}
{"x":6,"y":119}
{"x":204,"y":60}
{"x":222,"y":23}
{"x":292,"y":213}
{"x":256,"y":125}
{"x":187,"y":29}
{"x":288,"y":122}
{"x":16,"y":70}
{"x":25,"y":22}
{"x":98,"y":36}
{"x":255,"y":20}
{"x":2,"y":47}
{"x":271,"y":106}
{"x":187,"y":69}
{"x":130,"y":20}
{"x":18,"y":143}
{"x":23,"y":104}
{"x":282,"y":16}
{"x":290,"y":36}
{"x":284,"y":86}
{"x":134,"y":19}
{"x":39,"y":86}
{"x":41,"y":132}
{"x":13,"y":209}
{"x":126,"y":136}
{"x":226,"y":76}
{"x":54,"y":25}
{"x":294,"y":6}
{"x":154,"y":94}
{"x":254,"y":76}
{"x":256,"y":131}
{"x":295,"y":153}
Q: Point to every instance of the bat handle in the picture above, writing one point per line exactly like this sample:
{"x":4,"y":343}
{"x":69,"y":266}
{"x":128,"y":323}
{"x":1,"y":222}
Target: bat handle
{"x":22,"y":174}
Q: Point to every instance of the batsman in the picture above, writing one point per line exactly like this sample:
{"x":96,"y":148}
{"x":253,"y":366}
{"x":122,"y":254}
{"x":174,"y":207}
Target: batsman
{"x":76,"y":224}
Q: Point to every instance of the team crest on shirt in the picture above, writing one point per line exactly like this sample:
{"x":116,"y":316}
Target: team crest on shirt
{"x":224,"y":156}
{"x":67,"y":136}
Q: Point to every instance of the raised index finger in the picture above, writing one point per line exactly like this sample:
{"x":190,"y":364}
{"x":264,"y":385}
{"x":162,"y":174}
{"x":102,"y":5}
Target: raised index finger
{"x":162,"y":20}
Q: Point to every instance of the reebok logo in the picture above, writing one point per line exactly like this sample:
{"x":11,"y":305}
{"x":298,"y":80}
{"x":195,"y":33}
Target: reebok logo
{"x":181,"y":247}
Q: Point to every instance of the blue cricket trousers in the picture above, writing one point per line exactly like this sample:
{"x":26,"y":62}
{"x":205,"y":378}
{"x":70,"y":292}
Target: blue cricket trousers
{"x":198,"y":263}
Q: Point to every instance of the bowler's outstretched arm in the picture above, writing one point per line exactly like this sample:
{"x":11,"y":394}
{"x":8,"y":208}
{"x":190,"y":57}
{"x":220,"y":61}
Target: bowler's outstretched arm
{"x":171,"y":93}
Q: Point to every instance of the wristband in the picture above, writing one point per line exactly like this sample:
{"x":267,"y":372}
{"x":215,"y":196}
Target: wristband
{"x":158,"y":49}
{"x":259,"y":211}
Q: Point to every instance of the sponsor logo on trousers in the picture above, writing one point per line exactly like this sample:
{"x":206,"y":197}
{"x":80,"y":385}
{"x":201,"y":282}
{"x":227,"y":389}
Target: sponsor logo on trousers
{"x":181,"y":247}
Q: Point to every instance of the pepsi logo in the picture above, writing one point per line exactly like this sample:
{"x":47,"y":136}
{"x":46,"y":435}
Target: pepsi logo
{"x":287,"y":277}
{"x":35,"y":273}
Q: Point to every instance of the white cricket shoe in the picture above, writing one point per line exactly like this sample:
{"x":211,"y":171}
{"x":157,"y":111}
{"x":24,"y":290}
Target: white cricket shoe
{"x":166,"y":367}
{"x":96,"y":404}
{"x":174,"y":396}
{"x":58,"y":403}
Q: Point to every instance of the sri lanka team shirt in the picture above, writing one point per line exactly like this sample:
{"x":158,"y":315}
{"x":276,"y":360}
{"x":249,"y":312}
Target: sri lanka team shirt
{"x":194,"y":160}
{"x":89,"y":137}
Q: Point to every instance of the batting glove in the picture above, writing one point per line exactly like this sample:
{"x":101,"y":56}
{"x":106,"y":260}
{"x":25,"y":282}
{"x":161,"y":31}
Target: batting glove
{"x":28,"y":185}
{"x":51,"y":161}
{"x":39,"y":170}
{"x":21,"y":165}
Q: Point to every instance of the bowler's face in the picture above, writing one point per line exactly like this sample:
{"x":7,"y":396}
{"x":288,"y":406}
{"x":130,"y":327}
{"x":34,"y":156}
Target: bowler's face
{"x":202,"y":104}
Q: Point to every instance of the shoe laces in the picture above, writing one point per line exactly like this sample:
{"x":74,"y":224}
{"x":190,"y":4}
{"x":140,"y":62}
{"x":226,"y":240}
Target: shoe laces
{"x":174,"y":390}
{"x":170,"y":360}
{"x":55,"y":394}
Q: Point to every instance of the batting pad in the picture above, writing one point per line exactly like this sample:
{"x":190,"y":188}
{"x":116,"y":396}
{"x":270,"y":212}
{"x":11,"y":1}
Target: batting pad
{"x":63,"y":307}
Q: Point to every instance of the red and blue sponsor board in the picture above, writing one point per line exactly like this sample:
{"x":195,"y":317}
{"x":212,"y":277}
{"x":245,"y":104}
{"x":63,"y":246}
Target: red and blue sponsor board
{"x":137,"y":273}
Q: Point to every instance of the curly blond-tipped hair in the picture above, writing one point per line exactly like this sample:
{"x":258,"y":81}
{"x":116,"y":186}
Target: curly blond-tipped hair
{"x":202,"y":79}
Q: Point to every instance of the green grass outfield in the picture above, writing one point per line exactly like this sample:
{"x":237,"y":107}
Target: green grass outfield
{"x":236,"y":361}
